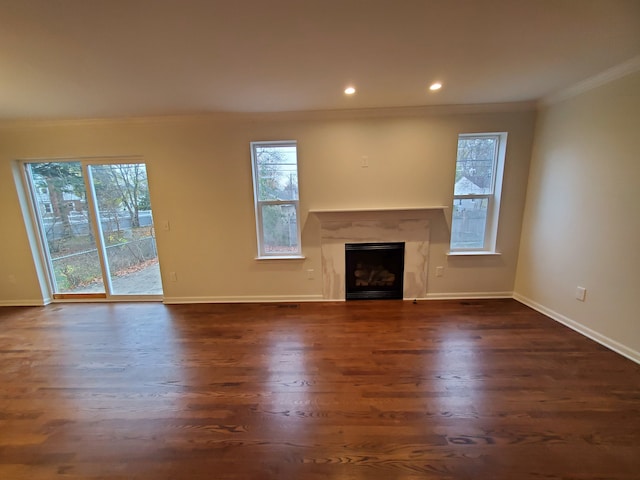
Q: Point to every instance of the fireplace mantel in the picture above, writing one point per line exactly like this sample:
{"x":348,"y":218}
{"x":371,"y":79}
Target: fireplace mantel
{"x":405,"y":212}
{"x":366,"y":225}
{"x":385,"y":209}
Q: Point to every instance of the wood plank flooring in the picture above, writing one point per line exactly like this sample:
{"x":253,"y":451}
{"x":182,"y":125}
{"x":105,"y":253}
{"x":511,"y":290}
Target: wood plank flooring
{"x":357,"y":390}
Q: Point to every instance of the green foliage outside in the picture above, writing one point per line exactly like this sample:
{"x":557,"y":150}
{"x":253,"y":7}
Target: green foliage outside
{"x":61,"y":200}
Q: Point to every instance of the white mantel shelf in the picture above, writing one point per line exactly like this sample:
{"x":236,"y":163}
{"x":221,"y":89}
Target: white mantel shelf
{"x":375,"y":210}
{"x":341,"y":214}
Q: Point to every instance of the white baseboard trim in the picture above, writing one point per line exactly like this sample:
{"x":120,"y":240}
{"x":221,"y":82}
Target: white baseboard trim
{"x":611,"y":344}
{"x":320,"y":298}
{"x":32,"y":302}
{"x":467,"y":295}
{"x":247,"y":299}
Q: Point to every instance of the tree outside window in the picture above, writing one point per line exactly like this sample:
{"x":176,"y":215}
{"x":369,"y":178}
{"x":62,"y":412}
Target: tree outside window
{"x":275,"y":181}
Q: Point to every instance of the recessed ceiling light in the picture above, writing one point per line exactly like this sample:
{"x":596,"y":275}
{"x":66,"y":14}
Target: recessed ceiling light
{"x":435,"y":86}
{"x":349,"y":90}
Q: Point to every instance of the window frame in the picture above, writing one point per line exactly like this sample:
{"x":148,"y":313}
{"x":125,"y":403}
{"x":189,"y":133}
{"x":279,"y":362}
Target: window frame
{"x":259,"y":204}
{"x":493,"y":197}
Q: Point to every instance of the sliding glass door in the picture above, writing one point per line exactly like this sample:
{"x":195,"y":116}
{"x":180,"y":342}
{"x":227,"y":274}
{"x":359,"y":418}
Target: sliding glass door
{"x":96,"y":227}
{"x":126,"y":228}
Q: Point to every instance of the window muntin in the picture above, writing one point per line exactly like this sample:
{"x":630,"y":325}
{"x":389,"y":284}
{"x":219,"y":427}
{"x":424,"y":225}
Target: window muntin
{"x":479,"y":166}
{"x":275,"y":183}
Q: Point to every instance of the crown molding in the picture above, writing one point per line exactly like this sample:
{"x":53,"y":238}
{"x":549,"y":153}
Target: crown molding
{"x":346,"y":114}
{"x":614,"y":73}
{"x":390,"y":112}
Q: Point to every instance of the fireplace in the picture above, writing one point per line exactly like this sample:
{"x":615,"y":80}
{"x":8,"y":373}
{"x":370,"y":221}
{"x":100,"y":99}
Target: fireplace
{"x":374,"y":270}
{"x":410,"y":226}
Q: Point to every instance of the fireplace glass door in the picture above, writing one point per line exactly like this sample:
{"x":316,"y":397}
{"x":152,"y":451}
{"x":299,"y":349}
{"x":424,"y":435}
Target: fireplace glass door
{"x":374,"y":270}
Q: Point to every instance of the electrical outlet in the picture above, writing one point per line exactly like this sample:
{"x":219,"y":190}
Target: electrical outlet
{"x":364,"y":161}
{"x":581,"y":293}
{"x":173,"y":276}
{"x":439,"y":271}
{"x":310,"y":273}
{"x":166,"y":225}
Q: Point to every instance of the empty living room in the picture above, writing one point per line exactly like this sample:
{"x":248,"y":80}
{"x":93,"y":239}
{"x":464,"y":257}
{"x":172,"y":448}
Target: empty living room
{"x":355,"y":239}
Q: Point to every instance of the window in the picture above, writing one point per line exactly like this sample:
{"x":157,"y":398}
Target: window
{"x":275,"y":188}
{"x":476,"y":196}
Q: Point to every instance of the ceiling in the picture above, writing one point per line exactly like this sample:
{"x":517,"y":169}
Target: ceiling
{"x":113,"y":58}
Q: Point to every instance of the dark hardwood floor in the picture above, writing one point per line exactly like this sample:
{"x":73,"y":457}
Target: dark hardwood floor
{"x":358,"y":390}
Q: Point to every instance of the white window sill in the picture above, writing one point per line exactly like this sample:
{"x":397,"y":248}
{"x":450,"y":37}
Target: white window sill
{"x":473,"y":253}
{"x":281,"y":257}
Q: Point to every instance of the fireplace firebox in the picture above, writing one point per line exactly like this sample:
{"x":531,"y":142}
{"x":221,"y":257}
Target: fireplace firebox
{"x":374,"y":270}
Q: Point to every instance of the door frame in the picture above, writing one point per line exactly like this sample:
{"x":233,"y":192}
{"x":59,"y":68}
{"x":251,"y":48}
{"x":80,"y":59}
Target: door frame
{"x":40,"y":252}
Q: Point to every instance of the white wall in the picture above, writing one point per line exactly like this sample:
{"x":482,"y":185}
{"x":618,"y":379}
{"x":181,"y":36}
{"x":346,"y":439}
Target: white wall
{"x":582,"y":217}
{"x":200,"y":179}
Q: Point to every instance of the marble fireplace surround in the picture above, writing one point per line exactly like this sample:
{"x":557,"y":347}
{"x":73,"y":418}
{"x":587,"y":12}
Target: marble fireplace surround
{"x":409,"y":225}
